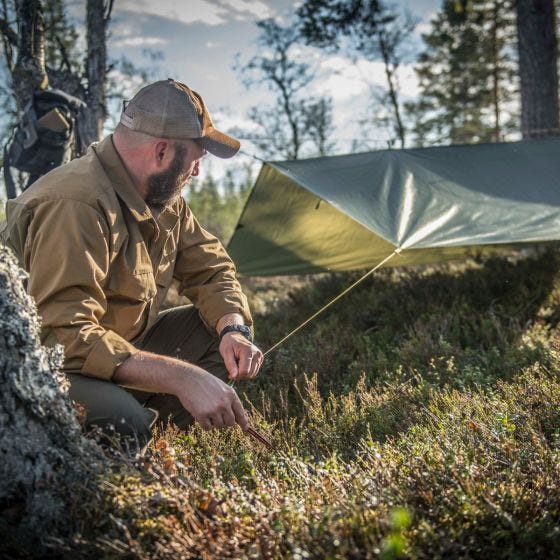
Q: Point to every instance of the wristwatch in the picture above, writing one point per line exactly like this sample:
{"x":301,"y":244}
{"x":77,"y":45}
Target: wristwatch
{"x":243,"y":329}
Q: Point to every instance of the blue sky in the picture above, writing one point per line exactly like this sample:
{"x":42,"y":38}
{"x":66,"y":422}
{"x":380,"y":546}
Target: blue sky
{"x":199,"y":40}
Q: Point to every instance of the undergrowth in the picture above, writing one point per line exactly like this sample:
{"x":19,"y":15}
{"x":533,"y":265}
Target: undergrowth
{"x":418,"y":418}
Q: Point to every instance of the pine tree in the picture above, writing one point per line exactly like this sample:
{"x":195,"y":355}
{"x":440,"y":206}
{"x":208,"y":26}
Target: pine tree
{"x":538,"y":60}
{"x":467,"y":74}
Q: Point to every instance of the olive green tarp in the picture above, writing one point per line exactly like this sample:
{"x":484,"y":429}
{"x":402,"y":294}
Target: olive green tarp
{"x":430,"y":204}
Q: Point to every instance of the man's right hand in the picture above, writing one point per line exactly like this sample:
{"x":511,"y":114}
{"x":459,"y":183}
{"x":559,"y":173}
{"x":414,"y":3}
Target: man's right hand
{"x":213,"y":403}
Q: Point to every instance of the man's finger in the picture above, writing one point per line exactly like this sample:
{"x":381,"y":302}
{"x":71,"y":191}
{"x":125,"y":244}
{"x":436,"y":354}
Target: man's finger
{"x":217,"y":420}
{"x":231,"y":364}
{"x":205,"y":423}
{"x":245,"y":360}
{"x":228,"y":418}
{"x":240,"y":414}
{"x":256,"y":364}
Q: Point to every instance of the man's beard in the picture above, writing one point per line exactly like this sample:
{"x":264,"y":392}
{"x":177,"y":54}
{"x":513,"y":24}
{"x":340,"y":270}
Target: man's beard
{"x":166,"y":186}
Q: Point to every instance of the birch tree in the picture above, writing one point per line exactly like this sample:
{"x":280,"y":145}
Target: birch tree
{"x":373,"y":29}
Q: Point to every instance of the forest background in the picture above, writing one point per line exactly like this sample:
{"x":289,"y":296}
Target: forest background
{"x":318,"y":78}
{"x":419,"y":419}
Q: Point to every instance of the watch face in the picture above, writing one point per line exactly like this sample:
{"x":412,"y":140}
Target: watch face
{"x":244,"y":330}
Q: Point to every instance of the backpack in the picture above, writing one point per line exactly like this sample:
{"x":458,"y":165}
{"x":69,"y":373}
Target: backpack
{"x":44,"y":137}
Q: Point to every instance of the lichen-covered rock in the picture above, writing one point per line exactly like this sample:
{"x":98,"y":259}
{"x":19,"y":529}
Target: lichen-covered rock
{"x":44,"y":457}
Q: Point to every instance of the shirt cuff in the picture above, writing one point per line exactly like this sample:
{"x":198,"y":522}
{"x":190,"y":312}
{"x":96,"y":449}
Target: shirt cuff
{"x":109,"y":352}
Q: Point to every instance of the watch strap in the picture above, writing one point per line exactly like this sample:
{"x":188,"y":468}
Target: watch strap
{"x":242,"y":329}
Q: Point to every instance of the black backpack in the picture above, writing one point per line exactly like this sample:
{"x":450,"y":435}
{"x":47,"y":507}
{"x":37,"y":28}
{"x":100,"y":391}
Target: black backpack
{"x":43,"y":139}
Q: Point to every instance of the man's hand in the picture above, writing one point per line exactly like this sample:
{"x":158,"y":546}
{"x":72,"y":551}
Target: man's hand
{"x":241,"y":357}
{"x":212,"y":402}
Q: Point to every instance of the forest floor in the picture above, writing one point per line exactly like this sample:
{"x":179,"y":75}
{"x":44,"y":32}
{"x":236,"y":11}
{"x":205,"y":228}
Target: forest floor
{"x":419,"y":417}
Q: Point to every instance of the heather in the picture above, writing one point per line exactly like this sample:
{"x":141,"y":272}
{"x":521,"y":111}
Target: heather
{"x":419,"y":417}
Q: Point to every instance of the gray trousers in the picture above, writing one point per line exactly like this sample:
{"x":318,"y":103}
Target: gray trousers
{"x":178,"y":332}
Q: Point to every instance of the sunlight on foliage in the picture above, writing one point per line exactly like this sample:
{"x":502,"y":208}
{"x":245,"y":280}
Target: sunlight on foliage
{"x":420,"y":418}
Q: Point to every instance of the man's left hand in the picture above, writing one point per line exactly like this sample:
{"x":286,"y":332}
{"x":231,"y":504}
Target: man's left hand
{"x":241,"y":357}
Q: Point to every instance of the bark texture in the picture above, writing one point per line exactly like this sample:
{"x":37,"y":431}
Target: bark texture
{"x":97,"y":20}
{"x":29,"y":72}
{"x":45,"y":462}
{"x":536,"y":32}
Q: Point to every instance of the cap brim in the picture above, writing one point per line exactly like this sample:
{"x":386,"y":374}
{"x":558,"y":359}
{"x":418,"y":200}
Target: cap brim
{"x":219,"y":144}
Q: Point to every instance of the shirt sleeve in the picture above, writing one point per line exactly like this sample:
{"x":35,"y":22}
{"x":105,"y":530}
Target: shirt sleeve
{"x":206,"y":273}
{"x":66,"y":253}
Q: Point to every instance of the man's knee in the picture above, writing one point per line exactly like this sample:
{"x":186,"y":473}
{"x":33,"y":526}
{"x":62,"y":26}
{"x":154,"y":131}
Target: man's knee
{"x":114,"y":410}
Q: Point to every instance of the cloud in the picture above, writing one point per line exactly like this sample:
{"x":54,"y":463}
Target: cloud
{"x":343,"y":79}
{"x":210,"y":12}
{"x":248,"y":9}
{"x":423,"y":28}
{"x":201,"y":11}
{"x":139,"y":42}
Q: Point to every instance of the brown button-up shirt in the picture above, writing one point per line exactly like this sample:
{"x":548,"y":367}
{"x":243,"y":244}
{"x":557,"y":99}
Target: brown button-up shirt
{"x":100,"y":263}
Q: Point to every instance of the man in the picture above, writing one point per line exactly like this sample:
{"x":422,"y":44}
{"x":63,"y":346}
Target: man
{"x":102,"y":239}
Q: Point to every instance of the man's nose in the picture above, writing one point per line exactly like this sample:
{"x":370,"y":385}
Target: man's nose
{"x":195,"y":170}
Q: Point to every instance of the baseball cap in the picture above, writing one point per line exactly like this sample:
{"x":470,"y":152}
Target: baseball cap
{"x":170,"y":109}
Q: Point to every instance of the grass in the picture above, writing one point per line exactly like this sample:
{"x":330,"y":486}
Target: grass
{"x":418,"y":418}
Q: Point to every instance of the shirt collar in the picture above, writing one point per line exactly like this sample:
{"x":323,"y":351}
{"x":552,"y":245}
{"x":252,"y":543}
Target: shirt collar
{"x":121,"y":181}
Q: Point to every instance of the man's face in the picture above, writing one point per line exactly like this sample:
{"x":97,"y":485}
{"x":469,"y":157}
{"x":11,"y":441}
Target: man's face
{"x":166,"y":186}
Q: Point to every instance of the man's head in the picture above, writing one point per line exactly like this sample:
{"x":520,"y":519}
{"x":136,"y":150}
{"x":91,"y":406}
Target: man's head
{"x":170,"y":109}
{"x":164,"y":132}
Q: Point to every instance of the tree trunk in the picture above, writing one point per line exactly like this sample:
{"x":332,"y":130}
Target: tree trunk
{"x":29,"y":71}
{"x":390,"y":70}
{"x":537,"y":46}
{"x":46,"y":462}
{"x":96,"y":66}
{"x":495,"y":61}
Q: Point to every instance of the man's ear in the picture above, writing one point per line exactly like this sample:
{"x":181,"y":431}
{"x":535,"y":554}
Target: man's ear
{"x":162,"y":153}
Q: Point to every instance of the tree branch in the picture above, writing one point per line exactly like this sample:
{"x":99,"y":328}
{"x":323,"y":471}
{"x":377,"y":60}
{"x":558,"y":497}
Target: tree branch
{"x":108,"y":10}
{"x":63,"y":53}
{"x":7,"y":32}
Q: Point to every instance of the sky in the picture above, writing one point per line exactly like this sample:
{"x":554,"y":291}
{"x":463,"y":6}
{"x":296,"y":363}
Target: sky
{"x":198,"y":42}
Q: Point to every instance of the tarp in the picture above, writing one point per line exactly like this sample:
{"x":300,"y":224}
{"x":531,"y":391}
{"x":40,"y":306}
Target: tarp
{"x":350,"y":212}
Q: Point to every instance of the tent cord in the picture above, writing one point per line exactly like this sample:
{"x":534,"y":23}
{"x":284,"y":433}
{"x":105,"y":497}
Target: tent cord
{"x":252,"y":156}
{"x":351,"y":287}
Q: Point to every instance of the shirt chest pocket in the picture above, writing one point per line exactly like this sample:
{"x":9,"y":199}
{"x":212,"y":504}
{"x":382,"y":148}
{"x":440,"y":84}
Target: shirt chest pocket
{"x":139,"y":285}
